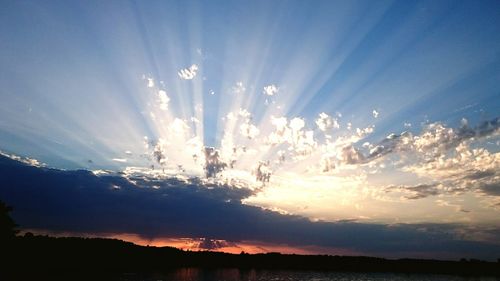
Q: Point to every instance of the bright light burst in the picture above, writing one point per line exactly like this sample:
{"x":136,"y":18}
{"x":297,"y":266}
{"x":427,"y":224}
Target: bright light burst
{"x":288,"y":160}
{"x":348,"y":114}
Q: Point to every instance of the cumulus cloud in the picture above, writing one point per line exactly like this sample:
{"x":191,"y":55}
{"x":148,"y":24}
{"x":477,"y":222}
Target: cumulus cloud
{"x":270,"y":90}
{"x":188,"y":73}
{"x":179,"y":127}
{"x":262,"y":172}
{"x":239,"y":88}
{"x":213,"y":162}
{"x":435,"y":141}
{"x":244,"y":113}
{"x":164,"y":99}
{"x":326,"y":122}
{"x":282,"y":133}
{"x":462,"y":170}
{"x":447,"y":157}
{"x":249,"y":130}
{"x":25,"y":160}
{"x":296,"y":124}
{"x":375,"y":113}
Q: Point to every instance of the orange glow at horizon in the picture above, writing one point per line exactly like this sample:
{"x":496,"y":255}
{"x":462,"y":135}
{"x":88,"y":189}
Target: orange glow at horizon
{"x":193,"y":244}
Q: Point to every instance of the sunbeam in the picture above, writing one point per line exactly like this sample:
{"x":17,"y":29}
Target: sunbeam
{"x":341,"y":110}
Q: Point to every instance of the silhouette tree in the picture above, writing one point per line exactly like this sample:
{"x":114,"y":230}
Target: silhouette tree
{"x":7,"y":225}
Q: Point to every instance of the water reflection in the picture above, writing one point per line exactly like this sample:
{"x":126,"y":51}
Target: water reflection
{"x":197,"y":274}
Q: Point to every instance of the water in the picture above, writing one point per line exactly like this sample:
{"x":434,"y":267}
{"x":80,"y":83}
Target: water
{"x":195,"y":274}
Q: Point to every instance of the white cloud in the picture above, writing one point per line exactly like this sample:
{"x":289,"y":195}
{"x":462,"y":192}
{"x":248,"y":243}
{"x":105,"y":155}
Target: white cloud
{"x":279,"y":122}
{"x":179,"y":127}
{"x":297,"y":124}
{"x":375,"y":113}
{"x":151,"y":82}
{"x":164,"y":99}
{"x":249,"y":130}
{"x":230,"y":116}
{"x":270,"y":90}
{"x":325,"y":122}
{"x":462,"y":169}
{"x":188,"y":73}
{"x":244,"y":113}
{"x":239,"y":88}
{"x":25,"y":160}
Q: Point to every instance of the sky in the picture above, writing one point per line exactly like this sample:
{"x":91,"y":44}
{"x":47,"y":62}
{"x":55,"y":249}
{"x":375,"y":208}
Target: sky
{"x":290,"y":126}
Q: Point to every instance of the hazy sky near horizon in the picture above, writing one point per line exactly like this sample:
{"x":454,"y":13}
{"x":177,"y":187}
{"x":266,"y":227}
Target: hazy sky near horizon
{"x":377,"y":112}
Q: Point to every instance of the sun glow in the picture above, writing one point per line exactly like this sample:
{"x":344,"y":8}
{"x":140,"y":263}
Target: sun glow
{"x":345,"y":115}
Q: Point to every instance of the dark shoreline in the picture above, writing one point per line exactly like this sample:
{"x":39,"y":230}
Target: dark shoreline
{"x":43,"y":254}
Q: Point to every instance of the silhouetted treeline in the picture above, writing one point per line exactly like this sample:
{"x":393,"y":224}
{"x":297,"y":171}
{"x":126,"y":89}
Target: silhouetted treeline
{"x":43,"y":253}
{"x":7,"y":225}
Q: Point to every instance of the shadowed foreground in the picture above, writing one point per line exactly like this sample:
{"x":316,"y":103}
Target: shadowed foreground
{"x":42,"y":254}
{"x":35,"y":256}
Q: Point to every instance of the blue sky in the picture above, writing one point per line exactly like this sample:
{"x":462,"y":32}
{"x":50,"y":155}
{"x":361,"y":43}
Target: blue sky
{"x":305,"y":103}
{"x":412,"y":60}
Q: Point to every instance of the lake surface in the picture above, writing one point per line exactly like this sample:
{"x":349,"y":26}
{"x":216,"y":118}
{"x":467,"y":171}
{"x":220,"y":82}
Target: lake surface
{"x":195,"y":274}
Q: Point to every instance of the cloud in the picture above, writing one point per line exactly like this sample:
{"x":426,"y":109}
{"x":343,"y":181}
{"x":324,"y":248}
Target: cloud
{"x":178,"y":127}
{"x":270,"y":90}
{"x":432,"y":144}
{"x":326,"y":122}
{"x":79,"y":201}
{"x":164,"y":99}
{"x":213,"y":244}
{"x":391,"y":143}
{"x":151,"y":82}
{"x":417,"y":191}
{"x":296,"y":124}
{"x":25,"y":160}
{"x":188,"y":73}
{"x":213,"y":162}
{"x":447,"y":157}
{"x":239,"y":88}
{"x":462,"y":169}
{"x":375,"y":113}
{"x":249,"y":130}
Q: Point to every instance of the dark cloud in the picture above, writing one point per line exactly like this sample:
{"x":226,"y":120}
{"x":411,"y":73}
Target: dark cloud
{"x":213,"y":163}
{"x":418,"y":191}
{"x":492,"y":188}
{"x":79,"y":201}
{"x":387,"y":145}
{"x":477,"y":175}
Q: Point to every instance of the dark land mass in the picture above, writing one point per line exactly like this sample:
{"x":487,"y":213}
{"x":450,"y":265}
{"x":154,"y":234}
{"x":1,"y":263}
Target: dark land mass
{"x":30,"y":254}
